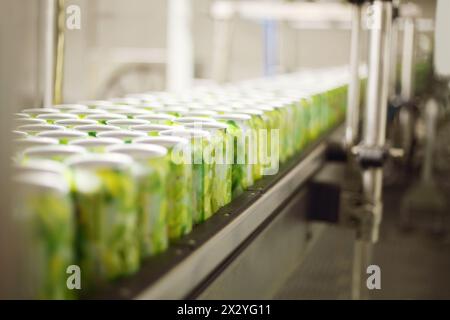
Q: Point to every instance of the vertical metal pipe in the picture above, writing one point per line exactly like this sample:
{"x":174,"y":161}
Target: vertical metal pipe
{"x":407,"y":80}
{"x":394,"y":59}
{"x":374,"y":135}
{"x":353,"y":99}
{"x":378,"y":80}
{"x":431,"y":114}
{"x":180,"y":64}
{"x":223,"y":34}
{"x":49,"y":40}
{"x":59,"y":52}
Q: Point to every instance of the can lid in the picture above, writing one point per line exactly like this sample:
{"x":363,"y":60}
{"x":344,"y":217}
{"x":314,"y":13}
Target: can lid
{"x":75,"y":122}
{"x":53,"y":150}
{"x":19,"y":134}
{"x":34,"y":141}
{"x":61,"y":134}
{"x":113,"y":107}
{"x":95,"y":103}
{"x":86,"y":111}
{"x":152,"y":105}
{"x":71,"y":106}
{"x":251,"y":112}
{"x":106,"y":116}
{"x":20,"y":115}
{"x":96,"y":128}
{"x":131,"y":112}
{"x":40,"y":110}
{"x":151,"y":127}
{"x":25,"y":121}
{"x":139,"y":151}
{"x":186,"y":133}
{"x":40,"y":127}
{"x":99,"y":160}
{"x":57,"y":116}
{"x":156,"y":116}
{"x":122,"y":134}
{"x":40,"y":165}
{"x":206,"y":125}
{"x":126,"y":122}
{"x":173,"y":109}
{"x":233,"y":117}
{"x":193,"y":119}
{"x":166,"y":141}
{"x":200,"y":113}
{"x":42,"y":181}
{"x":97,"y":142}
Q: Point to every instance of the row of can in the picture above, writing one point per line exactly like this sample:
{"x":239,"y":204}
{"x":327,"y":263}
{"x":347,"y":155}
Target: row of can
{"x":103,"y":185}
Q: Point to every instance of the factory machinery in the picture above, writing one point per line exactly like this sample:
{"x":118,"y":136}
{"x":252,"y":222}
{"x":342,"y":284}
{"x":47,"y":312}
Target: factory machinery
{"x":331,"y":169}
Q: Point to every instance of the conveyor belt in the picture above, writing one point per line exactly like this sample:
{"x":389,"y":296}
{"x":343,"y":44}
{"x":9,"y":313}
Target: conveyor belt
{"x":188,"y":263}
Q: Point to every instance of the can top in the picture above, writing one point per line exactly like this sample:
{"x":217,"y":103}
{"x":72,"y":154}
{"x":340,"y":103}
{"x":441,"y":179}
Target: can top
{"x":56,"y":116}
{"x":53,"y":150}
{"x":233,"y":117}
{"x":75,"y":122}
{"x":96,"y":128}
{"x":20,"y":115}
{"x":34,"y":141}
{"x":132,"y":112}
{"x":86,"y":111}
{"x":166,"y":141}
{"x":60,"y":134}
{"x":156,"y":116}
{"x":126,"y":122}
{"x":40,"y":165}
{"x":95,"y":103}
{"x":106,"y":116}
{"x":99,"y":161}
{"x":251,"y":112}
{"x":71,"y":106}
{"x":25,"y":121}
{"x":139,"y":151}
{"x":201,"y":113}
{"x":122,"y":134}
{"x":40,"y":127}
{"x":151,"y":127}
{"x":193,"y":119}
{"x":186,"y":133}
{"x":97,"y":142}
{"x":206,"y":126}
{"x":35,"y":111}
{"x":42,"y":181}
{"x":20,"y":134}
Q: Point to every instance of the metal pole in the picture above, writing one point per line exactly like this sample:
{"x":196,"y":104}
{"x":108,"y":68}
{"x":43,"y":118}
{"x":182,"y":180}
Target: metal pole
{"x":377,"y":85}
{"x":394,"y":49}
{"x":223,"y":30}
{"x":49,"y":37}
{"x":394,"y":60}
{"x":374,"y":136}
{"x":180,"y":65}
{"x":353,"y":99}
{"x":407,"y":84}
{"x":431,"y":114}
